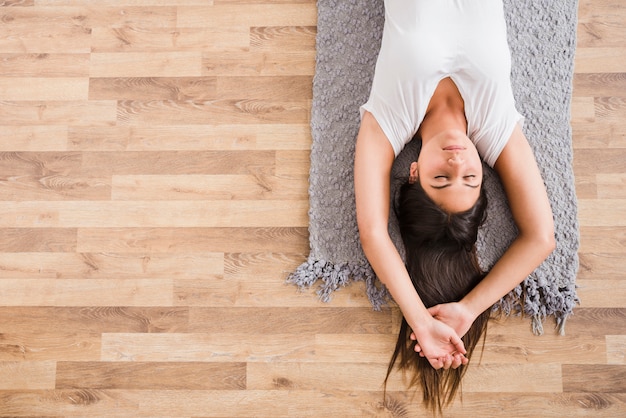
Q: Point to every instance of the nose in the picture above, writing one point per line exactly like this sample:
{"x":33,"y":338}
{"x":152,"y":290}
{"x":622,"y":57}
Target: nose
{"x":456,"y":160}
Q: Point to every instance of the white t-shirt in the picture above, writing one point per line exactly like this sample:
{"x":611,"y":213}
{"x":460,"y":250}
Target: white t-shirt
{"x":425,"y":41}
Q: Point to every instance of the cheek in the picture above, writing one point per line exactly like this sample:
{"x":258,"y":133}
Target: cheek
{"x":477,"y":163}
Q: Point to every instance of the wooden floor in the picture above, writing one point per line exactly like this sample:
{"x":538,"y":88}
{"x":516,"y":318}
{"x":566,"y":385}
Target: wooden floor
{"x":153,"y":196}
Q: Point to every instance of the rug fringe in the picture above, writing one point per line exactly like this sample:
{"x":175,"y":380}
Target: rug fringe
{"x":335,"y":276}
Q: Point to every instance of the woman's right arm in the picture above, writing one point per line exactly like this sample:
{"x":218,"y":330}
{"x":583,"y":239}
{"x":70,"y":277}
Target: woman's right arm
{"x":374,"y":158}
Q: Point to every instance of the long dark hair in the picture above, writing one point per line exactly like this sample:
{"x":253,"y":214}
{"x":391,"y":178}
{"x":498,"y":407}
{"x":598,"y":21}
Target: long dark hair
{"x":441,"y":261}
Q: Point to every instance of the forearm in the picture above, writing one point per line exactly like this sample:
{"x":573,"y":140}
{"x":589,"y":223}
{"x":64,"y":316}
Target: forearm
{"x":389,"y":267}
{"x":522,"y":258}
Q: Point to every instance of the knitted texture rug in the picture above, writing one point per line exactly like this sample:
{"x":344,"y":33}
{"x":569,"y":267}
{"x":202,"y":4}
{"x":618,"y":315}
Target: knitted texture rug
{"x":542,"y":39}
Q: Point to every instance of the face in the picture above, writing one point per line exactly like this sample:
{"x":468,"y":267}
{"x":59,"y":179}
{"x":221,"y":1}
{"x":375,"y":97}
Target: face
{"x":450,"y":171}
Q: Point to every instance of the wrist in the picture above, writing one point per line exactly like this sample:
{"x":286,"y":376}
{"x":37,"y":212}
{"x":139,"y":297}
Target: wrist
{"x":421,"y":324}
{"x":472,"y":307}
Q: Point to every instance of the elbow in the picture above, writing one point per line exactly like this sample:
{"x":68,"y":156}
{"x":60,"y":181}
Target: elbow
{"x":545,"y":242}
{"x":367,"y":238}
{"x":549,"y":244}
{"x":541,"y":240}
{"x":370,"y":236}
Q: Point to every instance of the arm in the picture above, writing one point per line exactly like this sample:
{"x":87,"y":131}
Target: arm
{"x":531,"y":211}
{"x":372,"y":170}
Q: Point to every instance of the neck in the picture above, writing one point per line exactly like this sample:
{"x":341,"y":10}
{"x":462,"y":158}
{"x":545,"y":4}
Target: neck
{"x":442,"y":119}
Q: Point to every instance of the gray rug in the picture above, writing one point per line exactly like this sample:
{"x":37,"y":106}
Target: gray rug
{"x":542,"y":38}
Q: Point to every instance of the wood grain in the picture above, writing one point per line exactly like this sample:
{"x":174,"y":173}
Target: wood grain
{"x":154,"y":164}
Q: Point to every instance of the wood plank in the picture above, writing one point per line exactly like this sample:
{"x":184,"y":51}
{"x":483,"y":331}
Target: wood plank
{"x":265,"y":14}
{"x":355,"y":377}
{"x":600,"y":84}
{"x":45,"y":346}
{"x":361,"y":348}
{"x":289,"y":320}
{"x":44,"y":65}
{"x":260,"y":186}
{"x":45,"y":35}
{"x":191,"y":137}
{"x":85,"y":16}
{"x":147,"y":214}
{"x":603,"y":59}
{"x":282,"y":38}
{"x":192,"y":239}
{"x":94,"y":320}
{"x":293,"y":88}
{"x":153,"y":376}
{"x":218,"y":348}
{"x":152,"y":88}
{"x":601,"y":266}
{"x":142,"y":64}
{"x":616,"y":349}
{"x":605,"y":212}
{"x":63,"y":113}
{"x":530,"y":405}
{"x":33,"y":138}
{"x":611,"y":186}
{"x":104,"y":164}
{"x":243,"y":111}
{"x":61,"y":403}
{"x":27,"y":375}
{"x":49,"y":176}
{"x":509,"y":342}
{"x":598,"y":134}
{"x":528,"y":378}
{"x":586,"y":187}
{"x":584,"y":319}
{"x":274,"y":63}
{"x":593,"y":293}
{"x":159,"y":39}
{"x":27,"y":240}
{"x":583,"y":110}
{"x":605,"y":378}
{"x":598,"y":161}
{"x":602,"y":32}
{"x":71,"y":292}
{"x":111,"y":265}
{"x":44,"y":88}
{"x":601,"y":239}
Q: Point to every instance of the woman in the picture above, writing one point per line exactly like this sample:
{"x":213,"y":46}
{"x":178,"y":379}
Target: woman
{"x":443,"y":73}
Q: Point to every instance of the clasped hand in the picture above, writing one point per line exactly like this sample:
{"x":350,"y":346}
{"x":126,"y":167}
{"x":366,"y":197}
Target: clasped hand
{"x":439,"y":341}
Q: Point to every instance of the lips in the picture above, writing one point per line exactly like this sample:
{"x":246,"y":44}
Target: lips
{"x":454,"y":148}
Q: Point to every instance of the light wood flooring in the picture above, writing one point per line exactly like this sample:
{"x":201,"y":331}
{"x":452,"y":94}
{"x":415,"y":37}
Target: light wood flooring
{"x":153,"y":197}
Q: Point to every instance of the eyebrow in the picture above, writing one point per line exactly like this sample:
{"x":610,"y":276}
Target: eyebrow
{"x":473,"y":186}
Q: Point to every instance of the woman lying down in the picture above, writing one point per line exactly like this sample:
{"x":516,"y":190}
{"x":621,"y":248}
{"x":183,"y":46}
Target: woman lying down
{"x":443,"y":74}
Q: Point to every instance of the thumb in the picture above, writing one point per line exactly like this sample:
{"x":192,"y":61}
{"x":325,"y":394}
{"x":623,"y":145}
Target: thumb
{"x":434,"y":310}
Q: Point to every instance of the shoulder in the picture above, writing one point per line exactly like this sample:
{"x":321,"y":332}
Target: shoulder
{"x":516,"y":147}
{"x":372,"y":140}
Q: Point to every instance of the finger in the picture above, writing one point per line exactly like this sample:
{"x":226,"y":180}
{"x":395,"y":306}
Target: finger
{"x":418,"y":349}
{"x":457,"y":361}
{"x":458,"y":344}
{"x":413,"y":337}
{"x":447,"y":362}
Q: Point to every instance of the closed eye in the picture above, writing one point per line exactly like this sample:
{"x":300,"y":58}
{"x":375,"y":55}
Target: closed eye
{"x":443,"y":186}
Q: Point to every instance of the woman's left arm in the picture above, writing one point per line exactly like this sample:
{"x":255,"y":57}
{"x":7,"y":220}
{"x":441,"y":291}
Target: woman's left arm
{"x":531,"y":211}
